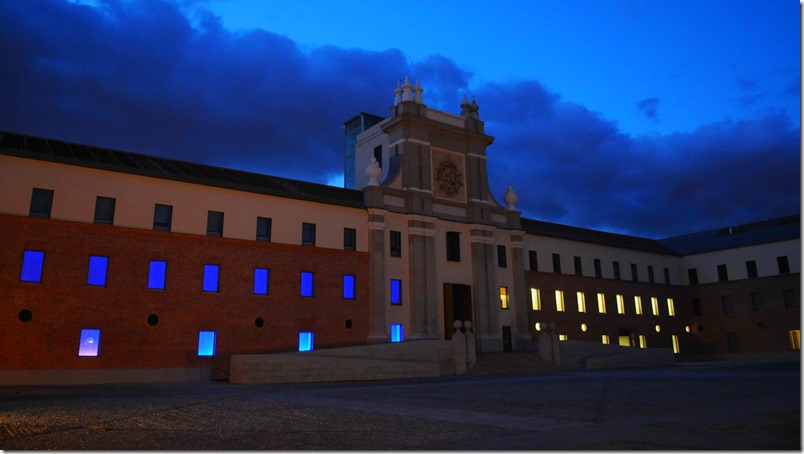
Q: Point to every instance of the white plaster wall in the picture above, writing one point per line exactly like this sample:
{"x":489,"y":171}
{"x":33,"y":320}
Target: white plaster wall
{"x":364,"y":151}
{"x":734,"y":259}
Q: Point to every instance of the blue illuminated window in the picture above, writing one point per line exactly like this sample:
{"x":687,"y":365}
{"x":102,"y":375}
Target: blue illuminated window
{"x":396,"y":291}
{"x":206,"y":343}
{"x":306,"y":283}
{"x":32,"y":266}
{"x":305,"y":341}
{"x":156,"y":274}
{"x":348,"y":286}
{"x":97,"y":270}
{"x":89,"y":343}
{"x":396,"y":332}
{"x":261,"y":281}
{"x":211,"y":278}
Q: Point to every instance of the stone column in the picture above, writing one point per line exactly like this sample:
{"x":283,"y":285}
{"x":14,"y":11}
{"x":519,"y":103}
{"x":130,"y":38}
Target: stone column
{"x":484,"y":294}
{"x":377,"y":300}
{"x":422,"y":285}
{"x":521,"y":296}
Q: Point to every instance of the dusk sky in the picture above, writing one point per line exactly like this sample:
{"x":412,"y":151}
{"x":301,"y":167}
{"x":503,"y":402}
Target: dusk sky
{"x":645,"y":117}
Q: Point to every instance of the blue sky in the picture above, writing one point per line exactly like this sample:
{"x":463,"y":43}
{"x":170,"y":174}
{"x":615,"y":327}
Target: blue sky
{"x":642,"y":117}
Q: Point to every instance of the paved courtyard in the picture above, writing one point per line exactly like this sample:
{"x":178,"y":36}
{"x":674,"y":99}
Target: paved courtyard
{"x":714,"y":406}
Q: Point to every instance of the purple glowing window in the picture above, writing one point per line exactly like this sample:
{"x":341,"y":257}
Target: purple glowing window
{"x":32,"y":266}
{"x":89,"y":343}
{"x":156,"y":274}
{"x":97,"y":270}
{"x":206,"y":343}
{"x":305,"y":341}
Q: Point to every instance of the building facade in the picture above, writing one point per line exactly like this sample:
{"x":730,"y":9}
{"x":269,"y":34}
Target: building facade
{"x":116,"y":260}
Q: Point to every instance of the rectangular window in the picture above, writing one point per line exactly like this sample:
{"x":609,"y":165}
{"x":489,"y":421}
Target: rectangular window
{"x":32,"y":262}
{"x":693,"y":276}
{"x":598,"y":268}
{"x":308,"y":234}
{"x":722,"y":273}
{"x":163,"y":217}
{"x":620,"y":304}
{"x":97,"y":270}
{"x":533,"y":261}
{"x":504,"y":298}
{"x":751,"y":268}
{"x":676,"y":350}
{"x":651,"y":277}
{"x":305,"y":341}
{"x":756,"y":302}
{"x":634,"y":273}
{"x":563,"y":337}
{"x":616,"y":265}
{"x":396,"y":291}
{"x":502,"y":259}
{"x":261,"y":279}
{"x":41,"y":203}
{"x":578,"y":266}
{"x":156,"y":274}
{"x":795,"y":339}
{"x":789,"y":298}
{"x":395,"y":243}
{"x":206,"y":343}
{"x":453,"y":246}
{"x":535,"y":299}
{"x":638,"y":305}
{"x":654,"y":304}
{"x":348,"y":286}
{"x":557,"y":263}
{"x":104,"y":210}
{"x":396,"y":332}
{"x":671,"y":307}
{"x":306,"y":289}
{"x":667,"y":276}
{"x":349,"y":239}
{"x":378,"y":154}
{"x":784,"y":266}
{"x":559,"y":301}
{"x":210,"y":278}
{"x":89,"y":344}
{"x":214,"y":223}
{"x":581,"y":302}
{"x":728,"y":307}
{"x":606,"y":339}
{"x":643,"y":341}
{"x":264,"y":229}
{"x":601,"y":303}
{"x":696,"y":306}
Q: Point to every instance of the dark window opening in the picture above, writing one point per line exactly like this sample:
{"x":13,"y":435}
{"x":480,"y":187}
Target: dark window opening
{"x":378,"y":154}
{"x":722,"y":273}
{"x":454,"y":246}
{"x":634,"y":273}
{"x":308,"y":234}
{"x":557,"y":263}
{"x":667,"y":276}
{"x":104,"y":210}
{"x":214,"y":223}
{"x":264,"y":229}
{"x":502,"y":259}
{"x":349,"y":239}
{"x":616,"y":265}
{"x":728,"y":306}
{"x":751,"y":268}
{"x":533,"y":259}
{"x":163,"y":217}
{"x":578,"y":266}
{"x":784,"y":266}
{"x":693,"y":276}
{"x":395,"y":243}
{"x":651,"y":278}
{"x":41,"y":203}
{"x":598,"y":268}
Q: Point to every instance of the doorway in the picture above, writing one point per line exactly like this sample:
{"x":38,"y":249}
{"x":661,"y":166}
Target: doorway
{"x":457,"y":306}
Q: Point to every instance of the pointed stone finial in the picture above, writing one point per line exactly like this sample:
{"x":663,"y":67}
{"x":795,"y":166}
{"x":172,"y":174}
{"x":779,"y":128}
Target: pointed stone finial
{"x":465,"y":107}
{"x":417,"y":92}
{"x":398,"y":93}
{"x":373,"y":172}
{"x":510,"y":199}
{"x":406,"y":95}
{"x":474,"y":108}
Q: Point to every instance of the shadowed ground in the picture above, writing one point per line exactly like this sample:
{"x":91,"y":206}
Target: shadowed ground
{"x":712,"y":406}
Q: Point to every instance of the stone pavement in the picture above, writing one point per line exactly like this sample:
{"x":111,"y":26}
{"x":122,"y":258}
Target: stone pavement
{"x":723,"y":406}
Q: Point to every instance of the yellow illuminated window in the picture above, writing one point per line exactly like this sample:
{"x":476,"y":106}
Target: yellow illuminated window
{"x":671,"y":307}
{"x":795,"y":339}
{"x":675,"y":344}
{"x":504,"y":297}
{"x":601,"y":303}
{"x":638,"y":305}
{"x":535,"y":299}
{"x":654,"y":304}
{"x":562,"y":337}
{"x":643,"y":341}
{"x":559,"y":301}
{"x":606,"y":339}
{"x":624,"y":341}
{"x":581,"y":302}
{"x":620,"y":304}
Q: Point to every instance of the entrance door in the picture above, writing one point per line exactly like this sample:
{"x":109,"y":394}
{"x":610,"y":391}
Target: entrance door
{"x":457,"y":306}
{"x":507,"y":339}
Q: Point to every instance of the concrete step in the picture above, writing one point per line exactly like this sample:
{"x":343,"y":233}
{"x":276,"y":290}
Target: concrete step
{"x":509,"y":363}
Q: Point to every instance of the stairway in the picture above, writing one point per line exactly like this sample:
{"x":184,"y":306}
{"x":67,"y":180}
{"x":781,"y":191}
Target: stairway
{"x":509,"y":364}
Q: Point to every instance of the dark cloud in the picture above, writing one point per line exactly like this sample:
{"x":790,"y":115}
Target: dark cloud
{"x":650,"y":108}
{"x":146,"y":76}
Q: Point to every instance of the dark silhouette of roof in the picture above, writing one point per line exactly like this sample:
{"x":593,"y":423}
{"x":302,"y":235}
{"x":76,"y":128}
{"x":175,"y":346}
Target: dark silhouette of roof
{"x":770,"y":231}
{"x":121,"y":161}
